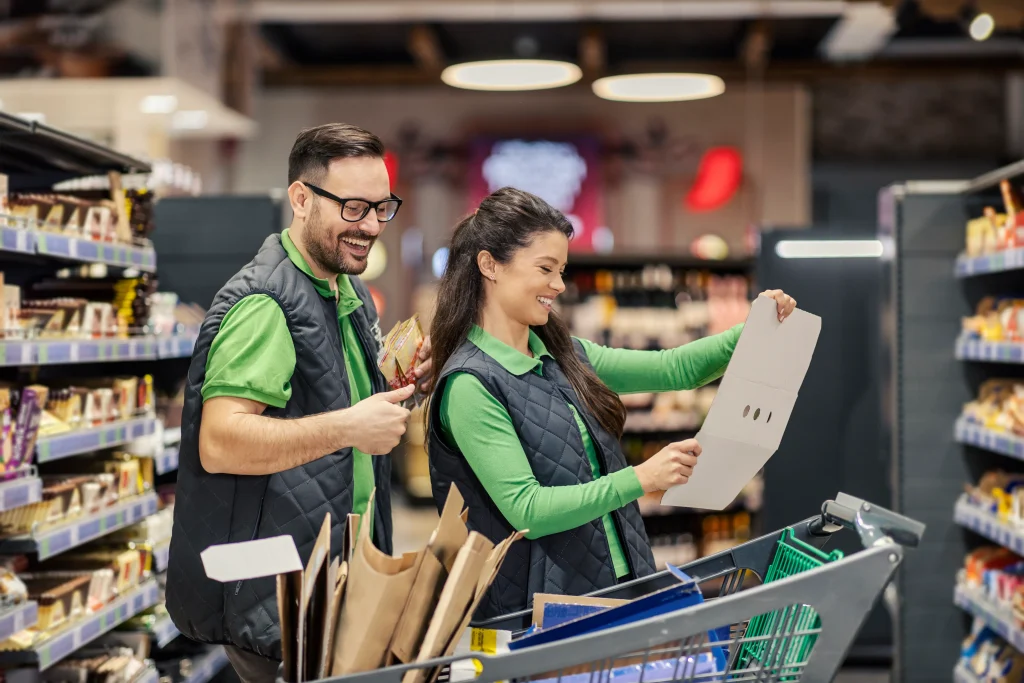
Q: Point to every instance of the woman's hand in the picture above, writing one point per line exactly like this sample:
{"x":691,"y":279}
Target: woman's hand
{"x":671,"y":466}
{"x":424,"y":366}
{"x":783,"y":302}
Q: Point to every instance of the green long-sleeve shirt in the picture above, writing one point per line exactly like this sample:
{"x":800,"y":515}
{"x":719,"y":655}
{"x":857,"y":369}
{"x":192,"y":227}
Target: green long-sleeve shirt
{"x":476,"y":422}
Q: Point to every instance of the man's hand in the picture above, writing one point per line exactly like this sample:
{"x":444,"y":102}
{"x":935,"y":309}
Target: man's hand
{"x":375,"y":425}
{"x":424,"y":366}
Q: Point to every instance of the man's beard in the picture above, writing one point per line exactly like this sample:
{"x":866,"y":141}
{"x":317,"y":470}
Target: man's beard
{"x":328,"y":251}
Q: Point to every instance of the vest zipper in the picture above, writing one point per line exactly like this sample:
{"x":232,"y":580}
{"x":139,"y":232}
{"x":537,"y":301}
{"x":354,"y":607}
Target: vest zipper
{"x":604,"y":464}
{"x":256,"y":528}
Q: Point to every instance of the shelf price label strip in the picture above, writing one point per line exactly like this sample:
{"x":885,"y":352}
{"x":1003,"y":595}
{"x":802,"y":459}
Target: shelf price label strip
{"x":167,"y":461}
{"x":1002,"y":623}
{"x":90,"y":251}
{"x":20,"y":492}
{"x":208,"y":666}
{"x":1009,"y":259}
{"x":161,"y":556}
{"x":56,"y":649}
{"x":996,"y":352}
{"x":997,"y":442}
{"x":59,"y":352}
{"x":165,"y":632}
{"x":88,"y":440}
{"x":989,"y":526}
{"x":17,"y":619}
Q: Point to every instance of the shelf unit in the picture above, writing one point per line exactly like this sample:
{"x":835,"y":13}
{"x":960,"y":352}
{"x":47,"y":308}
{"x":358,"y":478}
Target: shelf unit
{"x":63,"y":537}
{"x":931,"y":371}
{"x":35,"y":158}
{"x":87,"y":629}
{"x":974,"y":602}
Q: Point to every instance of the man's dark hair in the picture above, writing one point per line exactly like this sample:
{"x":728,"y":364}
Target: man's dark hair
{"x":315,"y":148}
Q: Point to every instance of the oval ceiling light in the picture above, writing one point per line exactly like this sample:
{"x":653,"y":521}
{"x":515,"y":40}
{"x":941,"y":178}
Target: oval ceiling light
{"x":666,"y":87}
{"x":506,"y":75}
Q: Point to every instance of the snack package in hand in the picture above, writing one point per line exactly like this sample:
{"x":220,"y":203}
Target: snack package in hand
{"x":398,"y":357}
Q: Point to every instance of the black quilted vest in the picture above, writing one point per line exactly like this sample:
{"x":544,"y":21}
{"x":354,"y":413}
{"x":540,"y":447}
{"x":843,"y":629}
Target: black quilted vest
{"x":573,"y":562}
{"x":221,"y":508}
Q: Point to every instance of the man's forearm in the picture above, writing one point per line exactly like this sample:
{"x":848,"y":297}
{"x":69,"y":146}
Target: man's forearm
{"x":248,"y":444}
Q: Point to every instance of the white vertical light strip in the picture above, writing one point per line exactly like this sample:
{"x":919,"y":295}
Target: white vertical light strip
{"x":829,"y":249}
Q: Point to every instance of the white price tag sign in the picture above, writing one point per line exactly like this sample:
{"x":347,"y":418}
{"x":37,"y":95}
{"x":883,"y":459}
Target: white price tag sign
{"x":73,"y":248}
{"x":26,"y":353}
{"x":73,"y":352}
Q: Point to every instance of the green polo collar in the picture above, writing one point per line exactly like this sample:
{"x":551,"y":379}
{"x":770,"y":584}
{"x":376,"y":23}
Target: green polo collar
{"x":348,"y":300}
{"x":509,"y":358}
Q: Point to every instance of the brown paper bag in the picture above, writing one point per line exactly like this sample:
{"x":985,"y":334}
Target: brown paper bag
{"x":314,"y":597}
{"x":377,"y":588}
{"x":331,"y":620}
{"x":289,"y":591}
{"x":431,"y":574}
{"x":458,"y":593}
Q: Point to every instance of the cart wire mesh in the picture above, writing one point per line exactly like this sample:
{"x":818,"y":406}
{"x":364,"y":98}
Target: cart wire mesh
{"x":774,"y":646}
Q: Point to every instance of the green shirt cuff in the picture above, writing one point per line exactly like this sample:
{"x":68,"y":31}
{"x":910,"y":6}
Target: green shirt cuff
{"x":627,"y":485}
{"x":215,"y":391}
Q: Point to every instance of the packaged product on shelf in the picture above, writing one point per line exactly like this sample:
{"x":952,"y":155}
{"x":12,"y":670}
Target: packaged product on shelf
{"x":29,"y":410}
{"x":125,"y":568}
{"x":999,"y":406}
{"x":12,"y":311}
{"x":990,"y":658}
{"x":12,"y":589}
{"x":999,"y":493}
{"x":60,"y":598}
{"x":119,"y":665}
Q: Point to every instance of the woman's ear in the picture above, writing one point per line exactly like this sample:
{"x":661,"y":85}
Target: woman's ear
{"x":487,"y":265}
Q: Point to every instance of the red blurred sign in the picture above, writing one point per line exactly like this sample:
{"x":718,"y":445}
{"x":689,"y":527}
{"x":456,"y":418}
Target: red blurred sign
{"x":565,"y":172}
{"x":718,"y":179}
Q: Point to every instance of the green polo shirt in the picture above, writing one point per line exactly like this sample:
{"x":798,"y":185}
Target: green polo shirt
{"x":476,"y":422}
{"x":253,"y":357}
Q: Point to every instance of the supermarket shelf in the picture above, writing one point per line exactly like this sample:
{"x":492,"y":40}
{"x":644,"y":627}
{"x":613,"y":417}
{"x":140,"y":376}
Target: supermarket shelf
{"x":167,"y":460}
{"x":21,"y":491}
{"x":996,"y":262}
{"x":35,"y":148}
{"x":204,"y":668}
{"x":993,"y":178}
{"x":65,"y":352}
{"x":962,"y":675}
{"x":28,"y":240}
{"x":64,"y":537}
{"x":161,"y":556}
{"x":1000,"y":620}
{"x":991,"y":352}
{"x":88,"y":440}
{"x":164,"y":631}
{"x":172,"y":435}
{"x":988,"y":525}
{"x":980,"y":437}
{"x":82,"y":632}
{"x":18,"y":618}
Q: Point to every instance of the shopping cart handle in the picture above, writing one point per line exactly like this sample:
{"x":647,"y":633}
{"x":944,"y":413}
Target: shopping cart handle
{"x":875,"y":525}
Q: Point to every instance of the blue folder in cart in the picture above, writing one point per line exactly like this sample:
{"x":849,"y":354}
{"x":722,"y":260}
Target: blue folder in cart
{"x":671,"y":599}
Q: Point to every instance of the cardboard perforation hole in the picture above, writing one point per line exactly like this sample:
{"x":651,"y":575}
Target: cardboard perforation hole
{"x":769,"y":418}
{"x":757,"y":413}
{"x":746,"y":411}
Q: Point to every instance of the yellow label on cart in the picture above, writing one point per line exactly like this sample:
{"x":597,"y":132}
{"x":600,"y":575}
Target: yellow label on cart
{"x":483,"y":640}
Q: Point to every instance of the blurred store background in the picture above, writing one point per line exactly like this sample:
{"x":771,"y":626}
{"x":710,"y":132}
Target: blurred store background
{"x":774,"y":151}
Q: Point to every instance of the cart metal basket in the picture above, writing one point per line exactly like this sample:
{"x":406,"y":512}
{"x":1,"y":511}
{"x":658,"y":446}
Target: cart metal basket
{"x":796,"y":626}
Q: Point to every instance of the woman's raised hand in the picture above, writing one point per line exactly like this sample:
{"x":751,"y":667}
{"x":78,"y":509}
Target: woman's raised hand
{"x":784,"y":303}
{"x":671,"y":466}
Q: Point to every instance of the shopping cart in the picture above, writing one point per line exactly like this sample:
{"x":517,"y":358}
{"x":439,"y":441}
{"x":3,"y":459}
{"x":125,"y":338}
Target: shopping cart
{"x":797,"y":625}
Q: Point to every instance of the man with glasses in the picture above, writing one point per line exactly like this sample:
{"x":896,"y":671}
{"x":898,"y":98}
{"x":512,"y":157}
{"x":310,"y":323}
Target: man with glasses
{"x":285,"y":409}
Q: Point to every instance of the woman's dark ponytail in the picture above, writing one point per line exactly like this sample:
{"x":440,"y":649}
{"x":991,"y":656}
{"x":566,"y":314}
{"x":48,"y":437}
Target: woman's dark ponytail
{"x":507,"y":221}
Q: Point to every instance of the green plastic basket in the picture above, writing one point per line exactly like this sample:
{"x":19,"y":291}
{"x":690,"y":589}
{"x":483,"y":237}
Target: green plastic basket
{"x":792,"y":557}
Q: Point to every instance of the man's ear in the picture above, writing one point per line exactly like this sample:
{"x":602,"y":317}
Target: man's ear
{"x":301,"y":199}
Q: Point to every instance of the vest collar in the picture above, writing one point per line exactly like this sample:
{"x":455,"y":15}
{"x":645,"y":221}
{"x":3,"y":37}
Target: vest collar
{"x":348,"y":301}
{"x":511,"y":359}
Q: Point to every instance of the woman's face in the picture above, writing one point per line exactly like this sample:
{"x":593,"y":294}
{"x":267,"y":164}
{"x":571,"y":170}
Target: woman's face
{"x":526,"y":287}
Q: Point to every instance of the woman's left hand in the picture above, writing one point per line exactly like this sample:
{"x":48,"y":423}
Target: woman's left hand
{"x":784,"y":302}
{"x":424,"y":366}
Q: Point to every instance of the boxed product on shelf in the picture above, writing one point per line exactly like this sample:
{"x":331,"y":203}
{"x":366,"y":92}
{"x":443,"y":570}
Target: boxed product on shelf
{"x":996,"y":320}
{"x":989,"y":658}
{"x":153,"y":530}
{"x":61,"y":598}
{"x":123,"y":569}
{"x":999,"y":493}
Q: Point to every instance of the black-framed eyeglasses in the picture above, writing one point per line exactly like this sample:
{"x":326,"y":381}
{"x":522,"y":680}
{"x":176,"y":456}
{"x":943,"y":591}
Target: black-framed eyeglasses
{"x":354,"y":209}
